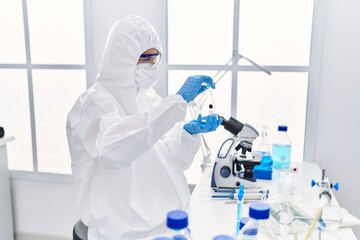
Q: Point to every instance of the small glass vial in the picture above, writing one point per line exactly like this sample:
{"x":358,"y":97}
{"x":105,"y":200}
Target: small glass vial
{"x":264,"y":147}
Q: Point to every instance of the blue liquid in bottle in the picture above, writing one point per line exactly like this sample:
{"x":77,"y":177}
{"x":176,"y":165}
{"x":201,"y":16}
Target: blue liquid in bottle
{"x":266,"y":159}
{"x":281,"y":149}
{"x":281,"y":156}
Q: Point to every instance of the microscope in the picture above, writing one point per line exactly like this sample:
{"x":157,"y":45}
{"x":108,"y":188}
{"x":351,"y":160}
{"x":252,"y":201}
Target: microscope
{"x":235,"y":162}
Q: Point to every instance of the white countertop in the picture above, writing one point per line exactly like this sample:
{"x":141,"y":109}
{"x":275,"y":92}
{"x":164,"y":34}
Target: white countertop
{"x":209,"y":217}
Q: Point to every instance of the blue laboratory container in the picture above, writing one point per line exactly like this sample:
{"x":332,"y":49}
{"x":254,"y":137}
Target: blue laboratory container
{"x":281,"y":149}
{"x":223,"y":237}
{"x":264,"y":170}
{"x":177,"y":223}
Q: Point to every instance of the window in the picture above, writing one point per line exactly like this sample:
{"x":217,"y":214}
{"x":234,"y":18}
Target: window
{"x":42,"y":72}
{"x":275,"y":34}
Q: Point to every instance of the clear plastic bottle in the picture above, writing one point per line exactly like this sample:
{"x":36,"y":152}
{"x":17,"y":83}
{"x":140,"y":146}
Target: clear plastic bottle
{"x":281,"y":149}
{"x":257,"y":227}
{"x":285,"y":193}
{"x":264,"y":147}
{"x":242,"y":223}
{"x":177,"y":223}
{"x":223,"y":237}
{"x":264,"y":170}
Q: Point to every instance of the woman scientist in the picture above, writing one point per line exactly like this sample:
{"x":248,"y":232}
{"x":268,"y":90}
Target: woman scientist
{"x":129,"y":147}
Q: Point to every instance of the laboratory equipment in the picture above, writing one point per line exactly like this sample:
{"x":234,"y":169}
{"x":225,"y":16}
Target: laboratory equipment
{"x":204,"y":103}
{"x":327,"y":217}
{"x":235,"y":161}
{"x":240,"y":201}
{"x":207,"y":85}
{"x":264,"y":146}
{"x":223,"y":237}
{"x":2,"y":132}
{"x":290,"y":219}
{"x":250,"y":194}
{"x":240,"y":225}
{"x":281,"y":149}
{"x":257,"y":227}
{"x":207,"y":94}
{"x":264,"y":170}
{"x":286,"y":189}
{"x":177,"y":223}
{"x":243,"y":221}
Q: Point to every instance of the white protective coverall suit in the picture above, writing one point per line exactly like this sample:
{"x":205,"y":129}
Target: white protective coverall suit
{"x":128,"y":146}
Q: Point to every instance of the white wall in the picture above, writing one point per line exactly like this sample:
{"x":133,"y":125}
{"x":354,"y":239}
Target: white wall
{"x":338,"y":125}
{"x":44,"y":208}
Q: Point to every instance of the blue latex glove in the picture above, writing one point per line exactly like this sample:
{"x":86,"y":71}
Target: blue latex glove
{"x":195,"y":85}
{"x":203,"y":124}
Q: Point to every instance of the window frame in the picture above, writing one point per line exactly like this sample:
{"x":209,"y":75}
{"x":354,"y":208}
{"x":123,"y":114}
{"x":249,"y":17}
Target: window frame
{"x":313,"y":82}
{"x":313,"y":73}
{"x":29,"y":67}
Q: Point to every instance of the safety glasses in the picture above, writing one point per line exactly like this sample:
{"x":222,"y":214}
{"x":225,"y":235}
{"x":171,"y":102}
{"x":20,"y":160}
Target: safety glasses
{"x":152,"y":58}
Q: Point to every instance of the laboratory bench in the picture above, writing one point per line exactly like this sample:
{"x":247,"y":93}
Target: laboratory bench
{"x":209,"y":216}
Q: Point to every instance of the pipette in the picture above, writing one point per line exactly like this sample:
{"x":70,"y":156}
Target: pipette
{"x":239,"y":206}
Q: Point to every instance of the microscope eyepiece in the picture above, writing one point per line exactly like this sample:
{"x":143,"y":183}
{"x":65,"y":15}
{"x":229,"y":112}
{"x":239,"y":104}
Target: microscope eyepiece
{"x":232,"y":125}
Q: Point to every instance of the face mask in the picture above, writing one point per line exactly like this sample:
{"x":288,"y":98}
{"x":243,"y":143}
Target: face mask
{"x":146,"y":74}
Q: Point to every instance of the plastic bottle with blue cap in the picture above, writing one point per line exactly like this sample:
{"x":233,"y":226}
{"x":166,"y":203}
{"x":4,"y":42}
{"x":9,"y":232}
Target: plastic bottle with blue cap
{"x":243,"y":221}
{"x":281,"y":149}
{"x":177,"y":223}
{"x":257,"y":227}
{"x":239,"y":225}
{"x":223,"y":237}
